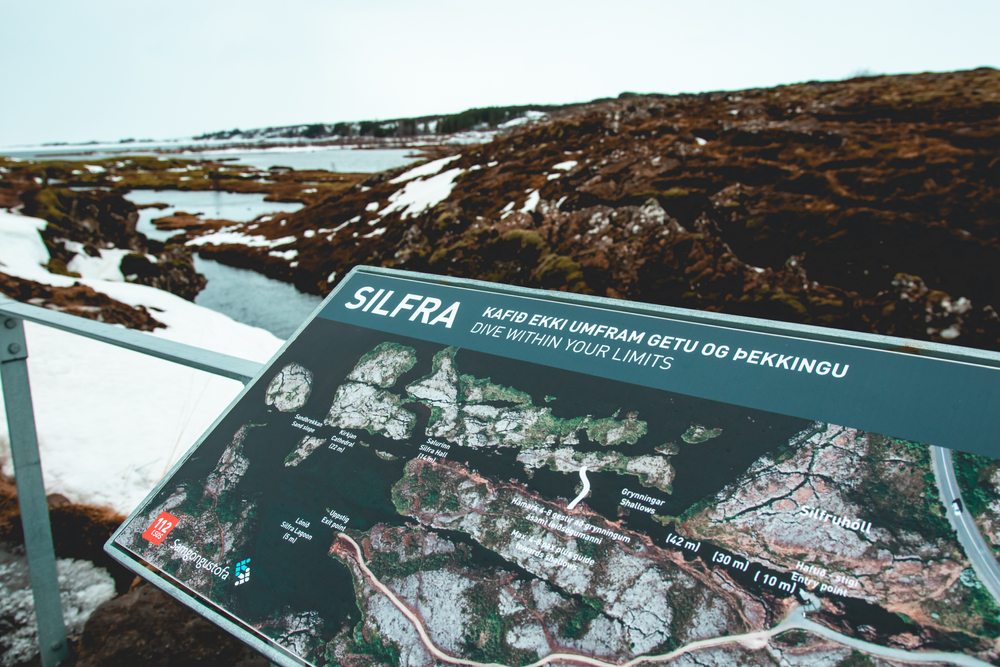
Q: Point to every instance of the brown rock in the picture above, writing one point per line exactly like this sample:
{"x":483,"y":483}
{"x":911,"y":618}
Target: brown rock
{"x":99,"y":220}
{"x":78,"y":531}
{"x":79,"y":300}
{"x":148,"y":627}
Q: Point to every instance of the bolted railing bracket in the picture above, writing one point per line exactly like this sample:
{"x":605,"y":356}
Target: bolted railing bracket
{"x":12,"y":344}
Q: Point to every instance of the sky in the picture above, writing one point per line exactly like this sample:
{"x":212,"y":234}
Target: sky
{"x":108,"y":69}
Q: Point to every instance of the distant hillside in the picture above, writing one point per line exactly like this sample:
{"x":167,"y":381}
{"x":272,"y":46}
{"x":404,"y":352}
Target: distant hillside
{"x":871,"y":204}
{"x":471,"y":119}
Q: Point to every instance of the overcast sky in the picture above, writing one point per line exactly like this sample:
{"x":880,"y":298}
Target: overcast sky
{"x":107,"y":70}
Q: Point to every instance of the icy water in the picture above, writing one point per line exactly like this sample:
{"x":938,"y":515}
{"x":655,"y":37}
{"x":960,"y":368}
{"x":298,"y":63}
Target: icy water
{"x":253,"y":298}
{"x":346,"y":160}
{"x":210,"y":204}
{"x":331,"y":158}
{"x":247,"y":296}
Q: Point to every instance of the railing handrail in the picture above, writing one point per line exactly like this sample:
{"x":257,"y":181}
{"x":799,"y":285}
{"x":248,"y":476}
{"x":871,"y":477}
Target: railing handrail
{"x":216,"y":363}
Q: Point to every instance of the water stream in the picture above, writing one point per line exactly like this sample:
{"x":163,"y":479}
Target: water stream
{"x":247,"y":296}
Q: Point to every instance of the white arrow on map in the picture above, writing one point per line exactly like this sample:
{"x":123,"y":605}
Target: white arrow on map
{"x":586,"y":489}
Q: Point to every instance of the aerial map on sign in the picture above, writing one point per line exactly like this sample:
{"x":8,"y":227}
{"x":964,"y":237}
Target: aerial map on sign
{"x":381,"y":499}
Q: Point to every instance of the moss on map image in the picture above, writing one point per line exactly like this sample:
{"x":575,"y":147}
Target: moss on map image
{"x":464,"y":411}
{"x":384,"y":364}
{"x":652,"y":471}
{"x":698,"y":433}
{"x":866,"y":477}
{"x":290,"y":388}
{"x":480,"y":390}
{"x":979,"y":480}
{"x":909,"y":561}
{"x":967,"y":605}
{"x":613,"y":601}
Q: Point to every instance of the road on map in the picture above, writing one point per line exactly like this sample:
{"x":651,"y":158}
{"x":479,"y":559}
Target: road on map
{"x":982,"y":559}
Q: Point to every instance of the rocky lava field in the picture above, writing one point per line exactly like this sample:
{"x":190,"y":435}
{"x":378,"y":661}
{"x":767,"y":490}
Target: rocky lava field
{"x":870,"y":204}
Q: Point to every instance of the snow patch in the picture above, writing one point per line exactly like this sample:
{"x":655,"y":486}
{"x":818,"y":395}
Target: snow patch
{"x":82,"y":588}
{"x":227,"y":237}
{"x":428,"y":169}
{"x":419,"y":195}
{"x":22,"y":251}
{"x":111,"y":422}
{"x":526,"y":118}
{"x":105,"y":267}
{"x":532,"y":202}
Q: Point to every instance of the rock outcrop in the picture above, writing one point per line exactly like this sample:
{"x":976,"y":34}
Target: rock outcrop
{"x":83,"y":224}
{"x":148,"y":627}
{"x":79,"y":300}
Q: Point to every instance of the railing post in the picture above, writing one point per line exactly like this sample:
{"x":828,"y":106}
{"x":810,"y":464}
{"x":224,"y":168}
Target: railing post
{"x":31,"y":492}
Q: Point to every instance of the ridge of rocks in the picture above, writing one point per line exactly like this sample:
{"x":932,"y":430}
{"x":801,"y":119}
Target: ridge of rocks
{"x":870,"y":204}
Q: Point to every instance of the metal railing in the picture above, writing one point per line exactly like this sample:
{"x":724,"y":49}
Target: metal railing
{"x":24,"y":440}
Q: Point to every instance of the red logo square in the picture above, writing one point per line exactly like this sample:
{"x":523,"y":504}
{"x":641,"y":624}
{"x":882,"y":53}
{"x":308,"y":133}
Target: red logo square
{"x":158,"y":530}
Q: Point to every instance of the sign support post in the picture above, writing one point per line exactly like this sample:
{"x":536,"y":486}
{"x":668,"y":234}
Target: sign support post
{"x":31,"y":493}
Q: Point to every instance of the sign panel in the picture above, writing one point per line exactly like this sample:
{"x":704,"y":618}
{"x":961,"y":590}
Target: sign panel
{"x":450,"y":472}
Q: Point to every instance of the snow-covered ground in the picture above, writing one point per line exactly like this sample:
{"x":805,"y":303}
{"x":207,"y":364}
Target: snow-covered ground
{"x":424,"y":189}
{"x":528,"y":117}
{"x":112,"y":422}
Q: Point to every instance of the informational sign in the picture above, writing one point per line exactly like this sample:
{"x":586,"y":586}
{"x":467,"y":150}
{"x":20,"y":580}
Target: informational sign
{"x":435,"y":471}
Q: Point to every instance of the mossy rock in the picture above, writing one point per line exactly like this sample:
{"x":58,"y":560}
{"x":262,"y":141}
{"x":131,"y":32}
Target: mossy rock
{"x":528,"y":239}
{"x":556,"y":271}
{"x":139,"y":265}
{"x":792,"y":302}
{"x":445,"y":220}
{"x":52,"y":205}
{"x":442,"y":253}
{"x":58,"y":267}
{"x":822,"y":302}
